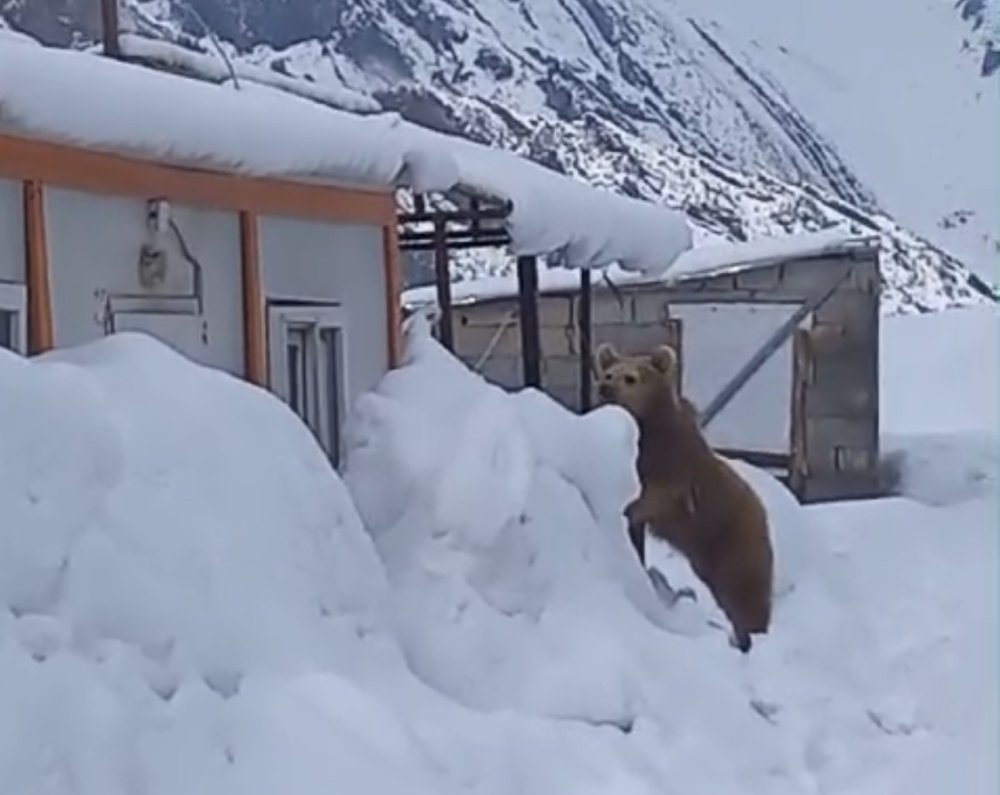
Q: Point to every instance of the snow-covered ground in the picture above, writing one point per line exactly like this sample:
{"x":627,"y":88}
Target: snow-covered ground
{"x":191,"y":601}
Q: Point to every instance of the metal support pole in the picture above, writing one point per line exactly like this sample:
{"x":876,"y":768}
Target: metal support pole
{"x":583,"y":324}
{"x":527,"y":288}
{"x":109,"y":28}
{"x":442,"y":279}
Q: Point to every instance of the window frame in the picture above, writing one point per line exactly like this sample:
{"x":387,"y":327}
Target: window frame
{"x":313,"y":319}
{"x":14,"y":301}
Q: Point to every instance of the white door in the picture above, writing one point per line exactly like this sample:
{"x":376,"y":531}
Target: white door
{"x":308,"y":361}
{"x":13,"y":318}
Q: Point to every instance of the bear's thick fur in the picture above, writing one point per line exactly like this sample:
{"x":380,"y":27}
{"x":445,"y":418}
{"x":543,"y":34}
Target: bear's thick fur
{"x":690,"y":497}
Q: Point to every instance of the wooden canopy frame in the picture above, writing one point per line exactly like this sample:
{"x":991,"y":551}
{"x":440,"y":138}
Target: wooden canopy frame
{"x":37,"y":164}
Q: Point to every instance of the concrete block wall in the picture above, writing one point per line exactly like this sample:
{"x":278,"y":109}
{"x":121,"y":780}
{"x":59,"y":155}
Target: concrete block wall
{"x":835,"y":405}
{"x":840,"y":411}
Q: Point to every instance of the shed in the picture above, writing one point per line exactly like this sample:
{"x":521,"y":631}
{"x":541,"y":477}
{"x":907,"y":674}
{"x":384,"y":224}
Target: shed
{"x":777,"y":340}
{"x":251,"y":230}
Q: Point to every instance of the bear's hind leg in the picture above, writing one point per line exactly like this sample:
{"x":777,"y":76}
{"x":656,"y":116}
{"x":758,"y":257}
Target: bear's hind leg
{"x":741,"y":640}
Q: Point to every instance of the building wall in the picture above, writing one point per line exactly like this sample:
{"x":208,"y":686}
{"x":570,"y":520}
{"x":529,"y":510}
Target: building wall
{"x":11,"y":231}
{"x":717,"y":340}
{"x":94,"y":244}
{"x":723,"y":321}
{"x":333,"y":263}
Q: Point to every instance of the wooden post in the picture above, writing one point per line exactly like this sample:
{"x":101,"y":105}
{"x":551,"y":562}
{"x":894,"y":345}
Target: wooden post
{"x":527,"y":289}
{"x":442,"y":278}
{"x":583,"y":324}
{"x":109,"y":28}
{"x":36,"y":271}
{"x":393,"y":293}
{"x":254,"y":322}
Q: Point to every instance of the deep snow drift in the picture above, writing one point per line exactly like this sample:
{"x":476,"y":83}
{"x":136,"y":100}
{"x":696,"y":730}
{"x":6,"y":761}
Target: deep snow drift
{"x":190,"y":602}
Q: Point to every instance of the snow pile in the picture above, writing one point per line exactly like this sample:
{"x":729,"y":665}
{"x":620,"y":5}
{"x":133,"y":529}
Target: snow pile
{"x":499,"y":518}
{"x":190,"y":604}
{"x":501,"y":529}
{"x":191,"y":601}
{"x":145,"y":581}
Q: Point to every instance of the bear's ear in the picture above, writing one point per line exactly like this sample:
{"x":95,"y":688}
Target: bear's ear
{"x":605,"y":357}
{"x":664,"y":359}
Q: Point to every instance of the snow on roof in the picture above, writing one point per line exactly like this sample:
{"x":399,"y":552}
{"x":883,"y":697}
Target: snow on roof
{"x":81,"y":99}
{"x":712,"y":259}
{"x":555,"y":213}
{"x":86,"y":100}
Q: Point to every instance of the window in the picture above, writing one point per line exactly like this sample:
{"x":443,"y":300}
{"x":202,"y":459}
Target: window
{"x":308,"y":368}
{"x":13,"y":330}
{"x":8,"y":339}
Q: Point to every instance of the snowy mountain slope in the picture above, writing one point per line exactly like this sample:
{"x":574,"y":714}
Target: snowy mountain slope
{"x":909,"y":95}
{"x":634,"y":94}
{"x":984,"y":18}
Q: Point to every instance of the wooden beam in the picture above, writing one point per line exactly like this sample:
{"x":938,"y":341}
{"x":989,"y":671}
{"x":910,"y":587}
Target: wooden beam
{"x":41,"y":335}
{"x":393,"y":293}
{"x":58,"y":165}
{"x":254,"y":320}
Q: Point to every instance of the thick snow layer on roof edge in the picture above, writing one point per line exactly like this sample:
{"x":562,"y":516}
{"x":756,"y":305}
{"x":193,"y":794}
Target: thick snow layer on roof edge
{"x":86,"y":100}
{"x":554,"y":213}
{"x":77,"y":98}
{"x":712,"y":259}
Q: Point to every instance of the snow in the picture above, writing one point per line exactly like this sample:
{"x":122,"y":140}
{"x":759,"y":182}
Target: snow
{"x":714,"y":259}
{"x":192,"y":601}
{"x":78,"y":98}
{"x":922,"y":134}
{"x":81,"y":99}
{"x":590,"y":226}
{"x":703,"y":261}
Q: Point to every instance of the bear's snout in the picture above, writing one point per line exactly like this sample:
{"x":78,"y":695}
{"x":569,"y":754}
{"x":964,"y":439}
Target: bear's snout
{"x":606,"y":390}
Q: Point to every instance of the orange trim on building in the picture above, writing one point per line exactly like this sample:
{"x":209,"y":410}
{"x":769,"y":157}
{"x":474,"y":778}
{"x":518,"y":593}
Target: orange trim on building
{"x":392,"y":262}
{"x":41,"y":336}
{"x":100,"y":172}
{"x":36,"y":162}
{"x":254,"y":321}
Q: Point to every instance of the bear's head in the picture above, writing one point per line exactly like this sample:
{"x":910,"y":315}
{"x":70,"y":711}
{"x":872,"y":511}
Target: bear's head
{"x":643,"y":384}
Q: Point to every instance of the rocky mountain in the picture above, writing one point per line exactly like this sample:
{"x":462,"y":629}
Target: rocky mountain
{"x":984,"y":19}
{"x":640,"y":95}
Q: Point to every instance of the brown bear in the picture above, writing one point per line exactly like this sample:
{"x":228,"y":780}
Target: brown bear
{"x":690,"y":497}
